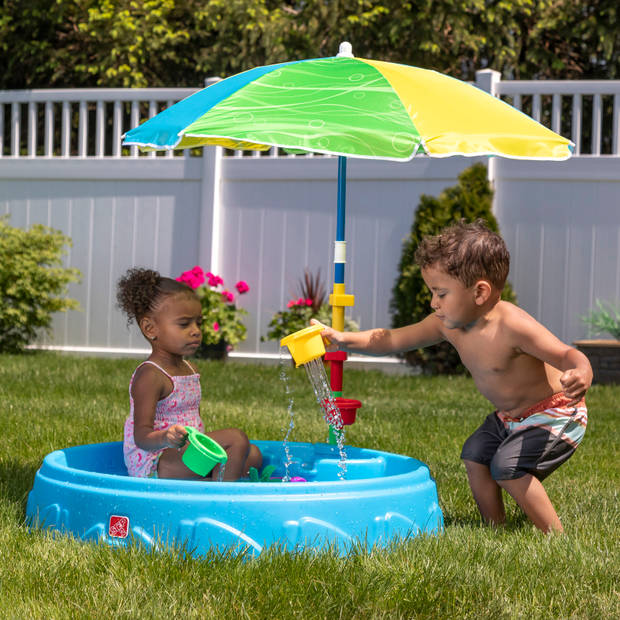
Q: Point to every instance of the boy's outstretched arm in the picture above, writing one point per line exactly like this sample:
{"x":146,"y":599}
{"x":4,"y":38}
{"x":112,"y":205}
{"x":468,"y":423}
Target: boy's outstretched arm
{"x":381,"y":341}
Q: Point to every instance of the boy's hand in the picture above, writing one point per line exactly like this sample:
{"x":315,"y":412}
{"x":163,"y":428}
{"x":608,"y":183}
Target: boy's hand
{"x":330,"y":336}
{"x":576,"y":383}
{"x":176,"y":436}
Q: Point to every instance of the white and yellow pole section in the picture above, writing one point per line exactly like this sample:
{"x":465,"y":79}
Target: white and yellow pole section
{"x":339,"y":299}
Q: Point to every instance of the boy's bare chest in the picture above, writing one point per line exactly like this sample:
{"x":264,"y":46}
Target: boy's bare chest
{"x":485,"y":353}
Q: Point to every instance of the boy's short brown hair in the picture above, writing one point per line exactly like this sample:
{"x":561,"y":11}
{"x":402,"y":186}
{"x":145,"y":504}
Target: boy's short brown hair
{"x":468,"y":252}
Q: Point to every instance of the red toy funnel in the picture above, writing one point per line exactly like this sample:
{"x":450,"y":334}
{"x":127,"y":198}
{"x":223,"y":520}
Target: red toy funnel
{"x":348,"y":408}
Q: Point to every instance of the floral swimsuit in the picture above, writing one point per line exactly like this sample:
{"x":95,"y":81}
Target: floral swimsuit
{"x":181,"y":406}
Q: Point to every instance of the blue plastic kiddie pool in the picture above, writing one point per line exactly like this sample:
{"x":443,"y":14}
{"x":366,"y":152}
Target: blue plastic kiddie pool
{"x":85,"y":491}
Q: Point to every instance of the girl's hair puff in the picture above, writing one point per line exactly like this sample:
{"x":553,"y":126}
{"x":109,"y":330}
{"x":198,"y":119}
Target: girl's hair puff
{"x":140,"y":291}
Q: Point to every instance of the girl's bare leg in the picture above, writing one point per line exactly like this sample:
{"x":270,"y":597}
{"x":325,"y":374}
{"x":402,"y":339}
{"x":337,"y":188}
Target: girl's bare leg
{"x":532,"y":498}
{"x":255,"y":459}
{"x":241,"y":453}
{"x":171,"y":466}
{"x":241,"y":456}
{"x":487,"y":493}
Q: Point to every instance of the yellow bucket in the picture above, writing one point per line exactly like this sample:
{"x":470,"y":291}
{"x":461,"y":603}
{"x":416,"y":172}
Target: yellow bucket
{"x":305,"y":345}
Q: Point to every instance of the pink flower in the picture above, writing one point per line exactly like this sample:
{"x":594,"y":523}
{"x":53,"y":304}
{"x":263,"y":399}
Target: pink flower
{"x":216,"y":327}
{"x":301,"y":301}
{"x":291,"y":303}
{"x":213,"y":280}
{"x":228,"y":296}
{"x":308,"y":302}
{"x":189,"y":278}
{"x":199,"y":275}
{"x":242,"y":287}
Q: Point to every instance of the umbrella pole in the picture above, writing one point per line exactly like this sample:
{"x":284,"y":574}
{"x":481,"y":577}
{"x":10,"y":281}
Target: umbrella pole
{"x":339,"y":299}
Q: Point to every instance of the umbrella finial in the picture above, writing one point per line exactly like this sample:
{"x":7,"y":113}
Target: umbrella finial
{"x":345,"y":50}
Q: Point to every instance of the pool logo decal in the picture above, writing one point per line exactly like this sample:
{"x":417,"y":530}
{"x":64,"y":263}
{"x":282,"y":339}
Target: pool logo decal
{"x":118,"y":526}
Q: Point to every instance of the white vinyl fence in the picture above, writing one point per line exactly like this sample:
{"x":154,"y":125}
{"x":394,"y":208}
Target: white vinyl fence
{"x":264,"y":218}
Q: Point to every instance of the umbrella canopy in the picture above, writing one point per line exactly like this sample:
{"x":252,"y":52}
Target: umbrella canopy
{"x":353,"y":107}
{"x":350,"y":107}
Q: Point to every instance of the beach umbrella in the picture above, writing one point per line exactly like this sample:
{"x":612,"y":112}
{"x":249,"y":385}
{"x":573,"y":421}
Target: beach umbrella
{"x":350,"y":107}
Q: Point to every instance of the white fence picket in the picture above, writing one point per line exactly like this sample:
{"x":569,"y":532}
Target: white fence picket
{"x":32,"y":129}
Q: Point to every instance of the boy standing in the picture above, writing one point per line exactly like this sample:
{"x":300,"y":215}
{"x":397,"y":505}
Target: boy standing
{"x":536,"y":382}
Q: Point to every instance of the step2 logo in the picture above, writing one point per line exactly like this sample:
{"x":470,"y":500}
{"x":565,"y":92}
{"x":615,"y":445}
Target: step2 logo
{"x":118,"y":526}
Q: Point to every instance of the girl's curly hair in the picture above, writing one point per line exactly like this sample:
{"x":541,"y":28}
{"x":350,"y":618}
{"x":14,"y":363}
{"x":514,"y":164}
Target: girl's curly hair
{"x":140,"y":291}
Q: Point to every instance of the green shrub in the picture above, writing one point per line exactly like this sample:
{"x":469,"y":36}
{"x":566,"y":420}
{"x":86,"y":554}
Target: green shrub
{"x":32,"y":282}
{"x":470,"y":199}
{"x":604,"y":320}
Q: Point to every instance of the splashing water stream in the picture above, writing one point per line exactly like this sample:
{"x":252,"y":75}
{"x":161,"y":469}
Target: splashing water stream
{"x":318,"y":379}
{"x":291,"y":413}
{"x":315,"y":371}
{"x":220,"y":474}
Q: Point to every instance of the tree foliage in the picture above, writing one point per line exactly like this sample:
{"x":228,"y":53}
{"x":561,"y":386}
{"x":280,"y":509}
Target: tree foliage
{"x":80,"y":43}
{"x":139,"y":43}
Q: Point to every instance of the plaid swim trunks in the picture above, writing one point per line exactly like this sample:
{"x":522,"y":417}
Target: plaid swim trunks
{"x":537,"y":443}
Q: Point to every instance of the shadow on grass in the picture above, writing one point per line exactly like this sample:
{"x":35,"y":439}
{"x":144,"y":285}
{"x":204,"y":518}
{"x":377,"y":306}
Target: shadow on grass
{"x":16,"y":480}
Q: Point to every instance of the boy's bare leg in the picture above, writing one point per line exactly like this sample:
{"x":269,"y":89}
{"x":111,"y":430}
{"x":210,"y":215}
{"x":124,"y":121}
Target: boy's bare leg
{"x":487,"y":493}
{"x":532,"y":498}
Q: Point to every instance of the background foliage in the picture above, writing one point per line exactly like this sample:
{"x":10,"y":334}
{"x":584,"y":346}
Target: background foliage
{"x":605,"y":319}
{"x":411,"y":302}
{"x":32,"y":282}
{"x":148,"y":43}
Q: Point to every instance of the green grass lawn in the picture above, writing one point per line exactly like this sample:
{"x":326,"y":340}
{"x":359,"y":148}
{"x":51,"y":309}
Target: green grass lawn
{"x":50,"y":401}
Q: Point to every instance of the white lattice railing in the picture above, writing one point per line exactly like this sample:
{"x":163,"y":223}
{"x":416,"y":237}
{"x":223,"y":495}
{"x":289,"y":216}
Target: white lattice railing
{"x":77,"y":122}
{"x":587,"y":111}
{"x":83,"y":123}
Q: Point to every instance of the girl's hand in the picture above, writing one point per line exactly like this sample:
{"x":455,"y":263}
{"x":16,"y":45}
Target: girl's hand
{"x":176,"y":436}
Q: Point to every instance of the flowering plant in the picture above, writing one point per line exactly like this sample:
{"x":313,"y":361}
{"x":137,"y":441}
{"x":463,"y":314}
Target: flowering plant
{"x":296,"y":317}
{"x":221,"y":318}
{"x":312,"y":304}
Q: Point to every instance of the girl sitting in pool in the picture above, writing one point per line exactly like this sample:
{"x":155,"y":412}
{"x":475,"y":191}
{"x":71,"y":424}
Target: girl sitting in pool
{"x":164,"y":391}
